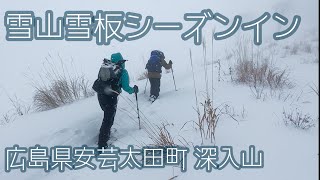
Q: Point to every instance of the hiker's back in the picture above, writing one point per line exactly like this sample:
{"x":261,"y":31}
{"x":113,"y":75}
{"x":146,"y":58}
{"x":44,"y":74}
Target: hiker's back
{"x":154,"y":64}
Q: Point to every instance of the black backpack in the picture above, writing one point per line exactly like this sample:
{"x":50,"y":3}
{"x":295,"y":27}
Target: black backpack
{"x":109,"y":75}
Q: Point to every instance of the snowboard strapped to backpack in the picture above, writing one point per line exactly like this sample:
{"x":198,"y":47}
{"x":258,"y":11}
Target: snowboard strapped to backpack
{"x":108,"y":77}
{"x":154,"y":63}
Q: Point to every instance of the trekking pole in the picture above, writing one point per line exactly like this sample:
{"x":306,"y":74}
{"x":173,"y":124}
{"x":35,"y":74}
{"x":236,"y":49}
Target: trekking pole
{"x":145,"y":88}
{"x":174,"y":81}
{"x":138,"y":110}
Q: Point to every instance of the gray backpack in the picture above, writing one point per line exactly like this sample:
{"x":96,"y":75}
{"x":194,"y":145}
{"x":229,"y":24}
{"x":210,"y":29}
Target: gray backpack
{"x":108,"y":77}
{"x":108,"y":71}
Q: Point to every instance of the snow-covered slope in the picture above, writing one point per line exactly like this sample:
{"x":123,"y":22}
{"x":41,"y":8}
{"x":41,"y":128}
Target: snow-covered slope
{"x":289,"y":153}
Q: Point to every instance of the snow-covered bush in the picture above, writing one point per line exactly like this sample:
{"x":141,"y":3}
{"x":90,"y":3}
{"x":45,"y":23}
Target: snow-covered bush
{"x":298,"y":119}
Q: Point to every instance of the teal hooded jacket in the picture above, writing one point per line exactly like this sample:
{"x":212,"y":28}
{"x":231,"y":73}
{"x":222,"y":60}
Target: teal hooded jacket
{"x":124,"y":80}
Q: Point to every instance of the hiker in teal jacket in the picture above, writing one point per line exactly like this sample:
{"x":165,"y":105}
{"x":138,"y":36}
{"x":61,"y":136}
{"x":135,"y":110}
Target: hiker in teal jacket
{"x":108,"y":102}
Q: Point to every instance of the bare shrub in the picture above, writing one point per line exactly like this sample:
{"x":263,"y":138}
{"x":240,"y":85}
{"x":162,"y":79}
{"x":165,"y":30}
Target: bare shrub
{"x":58,"y":87}
{"x":209,"y":120}
{"x":243,"y":113}
{"x":261,"y":74}
{"x":306,"y":47}
{"x":294,"y":49}
{"x":163,"y":137}
{"x":19,"y":107}
{"x":209,"y":116}
{"x":257,"y":91}
{"x":281,"y":95}
{"x":255,"y":69}
{"x":7,"y":118}
{"x":60,"y":92}
{"x":297,"y":119}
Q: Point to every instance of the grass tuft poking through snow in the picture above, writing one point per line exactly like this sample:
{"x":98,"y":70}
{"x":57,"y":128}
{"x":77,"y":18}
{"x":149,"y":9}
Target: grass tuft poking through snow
{"x":63,"y":88}
{"x":255,"y":69}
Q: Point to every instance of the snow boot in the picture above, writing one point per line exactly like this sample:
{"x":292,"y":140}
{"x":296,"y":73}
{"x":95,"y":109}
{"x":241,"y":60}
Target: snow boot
{"x":152,"y":98}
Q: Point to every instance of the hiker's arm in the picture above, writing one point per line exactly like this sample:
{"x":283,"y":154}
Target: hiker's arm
{"x":166,"y":65}
{"x":125,"y":82}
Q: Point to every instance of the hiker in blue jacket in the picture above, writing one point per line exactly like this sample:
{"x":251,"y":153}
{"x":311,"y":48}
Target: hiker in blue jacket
{"x":154,"y":67}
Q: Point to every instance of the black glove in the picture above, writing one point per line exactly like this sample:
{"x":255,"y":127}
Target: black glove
{"x":170,"y":62}
{"x":135,"y":89}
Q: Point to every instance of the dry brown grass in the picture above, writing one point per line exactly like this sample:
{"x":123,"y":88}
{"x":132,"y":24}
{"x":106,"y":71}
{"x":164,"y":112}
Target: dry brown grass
{"x":261,"y":74}
{"x":163,"y":137}
{"x":58,"y":87}
{"x":61,"y":92}
{"x":209,"y":120}
{"x":208,"y":116}
{"x":254,"y":68}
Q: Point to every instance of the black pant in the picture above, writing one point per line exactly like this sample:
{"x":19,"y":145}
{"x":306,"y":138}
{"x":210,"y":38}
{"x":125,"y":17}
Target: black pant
{"x":108,"y":104}
{"x":155,"y":86}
